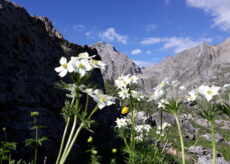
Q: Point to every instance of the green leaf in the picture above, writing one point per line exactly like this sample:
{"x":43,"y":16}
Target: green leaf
{"x":29,"y":141}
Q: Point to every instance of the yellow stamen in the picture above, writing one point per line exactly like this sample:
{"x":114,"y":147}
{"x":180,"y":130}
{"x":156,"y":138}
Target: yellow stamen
{"x":64,"y":66}
{"x":209,"y":92}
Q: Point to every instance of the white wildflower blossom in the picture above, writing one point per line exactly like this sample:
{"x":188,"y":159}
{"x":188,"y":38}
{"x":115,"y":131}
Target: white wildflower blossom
{"x":81,"y":66}
{"x":162,"y":102}
{"x":84,"y":55}
{"x":72,"y":88}
{"x":102,"y":99}
{"x":123,"y":81}
{"x":139,"y":138}
{"x":182,"y":87}
{"x":162,"y":131}
{"x":158,"y":93}
{"x":124,"y":93}
{"x":209,"y":92}
{"x":226,"y":87}
{"x":122,"y":122}
{"x":142,"y":128}
{"x":98,"y":64}
{"x":64,"y":67}
{"x":137,"y":95}
{"x":175,"y":83}
{"x":134,"y":79}
{"x":192,"y":95}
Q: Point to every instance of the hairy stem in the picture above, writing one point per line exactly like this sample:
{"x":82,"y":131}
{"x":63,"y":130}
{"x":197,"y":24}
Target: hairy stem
{"x":213,"y":143}
{"x":63,"y":139}
{"x":181,"y":138}
{"x":36,"y":143}
{"x":71,"y":144}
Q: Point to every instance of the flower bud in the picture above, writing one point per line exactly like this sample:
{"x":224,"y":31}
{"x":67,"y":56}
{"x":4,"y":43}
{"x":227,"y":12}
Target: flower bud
{"x":94,"y":152}
{"x":90,"y":139}
{"x":114,"y":150}
{"x":125,"y":110}
{"x":34,"y":114}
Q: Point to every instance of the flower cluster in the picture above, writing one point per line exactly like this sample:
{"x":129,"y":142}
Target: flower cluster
{"x":205,"y":91}
{"x":123,"y":122}
{"x":81,"y":64}
{"x":161,"y":129}
{"x":124,"y":83}
{"x":142,"y":131}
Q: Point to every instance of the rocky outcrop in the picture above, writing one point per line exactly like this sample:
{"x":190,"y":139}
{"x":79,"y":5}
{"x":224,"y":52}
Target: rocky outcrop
{"x":117,"y":63}
{"x":30,"y":49}
{"x":204,"y":64}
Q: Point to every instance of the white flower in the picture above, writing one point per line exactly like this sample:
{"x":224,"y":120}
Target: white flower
{"x":209,"y":92}
{"x":142,"y":128}
{"x":81,"y":66}
{"x":134,"y":79}
{"x":162,"y":102}
{"x":192,"y":95}
{"x":123,"y":93}
{"x":158,"y":93}
{"x":175,"y":83}
{"x":163,"y":83}
{"x":97,"y":64}
{"x":182,"y":87}
{"x":137,"y":95}
{"x":102,"y":99}
{"x":89,"y":91}
{"x":226,"y":87}
{"x":64,"y":67}
{"x":123,"y":81}
{"x":84,"y":55}
{"x":122,"y":122}
{"x":140,"y":137}
{"x":72,"y":88}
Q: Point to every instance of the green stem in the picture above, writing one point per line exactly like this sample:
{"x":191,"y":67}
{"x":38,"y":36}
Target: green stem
{"x":71,"y":135}
{"x":181,"y":139}
{"x":63,"y":139}
{"x":62,"y":161}
{"x":213,"y":143}
{"x":93,"y":111}
{"x":36,"y":143}
{"x":161,"y":112}
{"x":132,"y":144}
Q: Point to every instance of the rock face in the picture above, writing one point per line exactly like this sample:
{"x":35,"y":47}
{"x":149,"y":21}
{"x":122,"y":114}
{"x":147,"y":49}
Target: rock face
{"x":117,"y":63}
{"x":30,"y":49}
{"x":203,"y":64}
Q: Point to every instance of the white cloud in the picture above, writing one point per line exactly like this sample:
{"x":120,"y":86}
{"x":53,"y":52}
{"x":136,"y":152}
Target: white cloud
{"x":150,"y":27}
{"x":150,"y":40}
{"x":142,"y":63}
{"x":136,"y":51}
{"x":148,"y":52}
{"x":79,"y":27}
{"x":178,"y":44}
{"x":219,"y":9}
{"x":111,"y":35}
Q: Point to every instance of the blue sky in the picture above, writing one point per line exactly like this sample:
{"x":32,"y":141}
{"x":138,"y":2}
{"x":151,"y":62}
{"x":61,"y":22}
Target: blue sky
{"x":144,"y":30}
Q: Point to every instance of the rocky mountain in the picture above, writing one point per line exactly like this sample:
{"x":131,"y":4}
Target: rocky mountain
{"x":30,"y":49}
{"x":203,"y":64}
{"x":117,"y":64}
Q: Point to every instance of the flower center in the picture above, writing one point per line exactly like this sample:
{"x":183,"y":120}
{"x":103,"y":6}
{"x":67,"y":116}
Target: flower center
{"x":209,"y":92}
{"x":81,"y":65}
{"x":64,"y":66}
{"x":95,"y":62}
{"x":102,"y":98}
